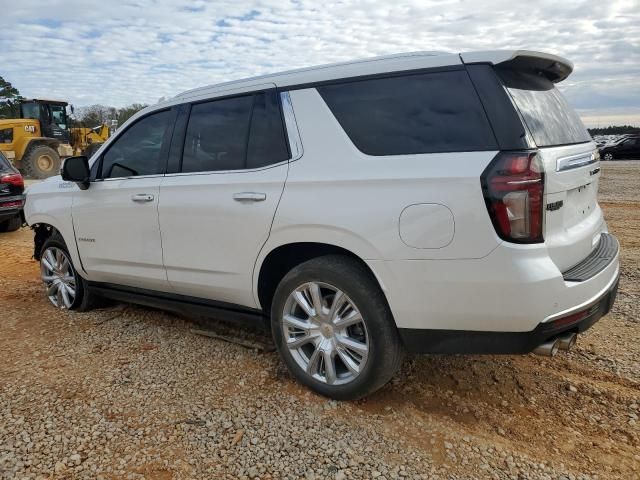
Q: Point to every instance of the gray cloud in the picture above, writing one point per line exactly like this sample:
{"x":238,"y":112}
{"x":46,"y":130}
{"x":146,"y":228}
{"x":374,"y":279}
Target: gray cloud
{"x":131,"y":51}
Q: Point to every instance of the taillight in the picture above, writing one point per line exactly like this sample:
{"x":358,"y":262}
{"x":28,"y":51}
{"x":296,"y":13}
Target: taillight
{"x":513,"y":188}
{"x":13,"y":179}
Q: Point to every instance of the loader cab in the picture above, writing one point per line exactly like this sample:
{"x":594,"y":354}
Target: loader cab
{"x":52,"y":116}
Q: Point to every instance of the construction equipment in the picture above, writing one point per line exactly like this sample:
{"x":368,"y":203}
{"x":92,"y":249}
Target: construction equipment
{"x":37,"y":140}
{"x":41,"y":137}
{"x":86,"y":140}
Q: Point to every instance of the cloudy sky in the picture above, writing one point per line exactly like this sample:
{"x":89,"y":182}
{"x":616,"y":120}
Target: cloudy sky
{"x":121,"y":52}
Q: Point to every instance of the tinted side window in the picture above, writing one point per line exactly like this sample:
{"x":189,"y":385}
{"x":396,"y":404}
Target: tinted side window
{"x":138,"y":150}
{"x":422,"y":113}
{"x":267,"y":143}
{"x":216,"y":136}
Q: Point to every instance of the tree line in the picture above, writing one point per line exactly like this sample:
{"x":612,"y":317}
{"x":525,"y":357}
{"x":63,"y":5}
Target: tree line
{"x":94,"y":115}
{"x":89,"y":116}
{"x":614,"y":130}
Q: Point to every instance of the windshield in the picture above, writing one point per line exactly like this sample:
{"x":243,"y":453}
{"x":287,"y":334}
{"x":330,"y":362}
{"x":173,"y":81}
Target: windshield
{"x":548,"y":116}
{"x":30,"y":110}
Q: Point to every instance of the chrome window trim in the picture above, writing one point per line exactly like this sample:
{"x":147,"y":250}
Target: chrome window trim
{"x":575,"y":161}
{"x":112,"y":179}
{"x":293,"y":136}
{"x":292,"y":126}
{"x":216,"y":172}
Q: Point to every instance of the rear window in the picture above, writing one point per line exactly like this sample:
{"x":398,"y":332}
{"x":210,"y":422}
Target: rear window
{"x":548,"y":116}
{"x":4,"y":163}
{"x":420,"y":113}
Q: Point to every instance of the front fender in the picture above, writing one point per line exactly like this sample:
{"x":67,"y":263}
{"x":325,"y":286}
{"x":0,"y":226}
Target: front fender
{"x":44,"y":205}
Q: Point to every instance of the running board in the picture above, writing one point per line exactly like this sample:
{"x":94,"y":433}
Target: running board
{"x":182,"y":304}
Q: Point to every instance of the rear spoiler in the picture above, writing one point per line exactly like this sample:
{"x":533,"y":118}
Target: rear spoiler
{"x":553,"y":67}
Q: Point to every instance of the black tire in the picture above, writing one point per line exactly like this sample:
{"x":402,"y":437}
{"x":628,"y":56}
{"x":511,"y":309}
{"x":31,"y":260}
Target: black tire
{"x":40,"y":162}
{"x":356,"y":281}
{"x":11,"y":225}
{"x":84,"y":299}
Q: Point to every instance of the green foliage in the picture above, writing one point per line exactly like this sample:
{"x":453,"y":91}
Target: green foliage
{"x":7,"y":93}
{"x":95,"y":115}
{"x":126,"y":113}
{"x":614,"y":130}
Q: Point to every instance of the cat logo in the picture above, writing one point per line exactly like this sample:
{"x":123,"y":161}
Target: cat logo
{"x":30,"y":128}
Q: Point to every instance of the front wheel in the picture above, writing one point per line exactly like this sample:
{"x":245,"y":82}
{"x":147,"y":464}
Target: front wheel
{"x":64,"y":287}
{"x":333,"y":328}
{"x":608,"y":156}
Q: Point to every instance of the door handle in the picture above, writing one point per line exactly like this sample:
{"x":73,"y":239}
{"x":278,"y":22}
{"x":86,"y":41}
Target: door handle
{"x":249,"y":197}
{"x":142,"y":197}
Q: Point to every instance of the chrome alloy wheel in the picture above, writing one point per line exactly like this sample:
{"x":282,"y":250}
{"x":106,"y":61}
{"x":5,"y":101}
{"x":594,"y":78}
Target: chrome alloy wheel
{"x":608,"y":156}
{"x":325,"y":333}
{"x":58,"y":277}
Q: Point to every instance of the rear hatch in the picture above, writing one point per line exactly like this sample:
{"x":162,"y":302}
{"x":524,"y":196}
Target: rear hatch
{"x":573,"y":220}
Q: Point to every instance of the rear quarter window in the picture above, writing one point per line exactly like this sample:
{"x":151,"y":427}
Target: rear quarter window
{"x":546,"y":113}
{"x":411,"y":114}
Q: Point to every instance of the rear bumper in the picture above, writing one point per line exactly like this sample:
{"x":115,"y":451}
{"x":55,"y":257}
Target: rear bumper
{"x":476,"y":342}
{"x":507,"y":302}
{"x":8,"y":215}
{"x":8,"y":212}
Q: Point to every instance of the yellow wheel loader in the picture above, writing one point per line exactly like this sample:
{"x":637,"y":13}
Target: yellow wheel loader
{"x":86,"y":141}
{"x":37,"y":142}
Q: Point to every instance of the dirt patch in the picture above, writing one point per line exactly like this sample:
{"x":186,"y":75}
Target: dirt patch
{"x":132,"y":393}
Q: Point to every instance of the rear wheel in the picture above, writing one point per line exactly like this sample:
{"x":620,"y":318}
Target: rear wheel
{"x":64,"y":287}
{"x":11,"y":225}
{"x":41,"y":161}
{"x":333,"y":328}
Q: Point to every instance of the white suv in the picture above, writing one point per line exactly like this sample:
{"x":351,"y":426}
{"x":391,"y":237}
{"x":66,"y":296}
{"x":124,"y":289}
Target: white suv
{"x":419,"y":202}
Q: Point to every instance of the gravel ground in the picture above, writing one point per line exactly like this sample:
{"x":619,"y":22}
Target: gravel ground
{"x":130,"y":392}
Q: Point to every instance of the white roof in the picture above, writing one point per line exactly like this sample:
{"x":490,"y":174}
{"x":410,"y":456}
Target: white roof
{"x":368,"y":66}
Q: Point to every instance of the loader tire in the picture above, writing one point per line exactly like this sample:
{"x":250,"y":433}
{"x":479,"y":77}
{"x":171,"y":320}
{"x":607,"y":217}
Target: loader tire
{"x":40,"y":162}
{"x":91,"y":149}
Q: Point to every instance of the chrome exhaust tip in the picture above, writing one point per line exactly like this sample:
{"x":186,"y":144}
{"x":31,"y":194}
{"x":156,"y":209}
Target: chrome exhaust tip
{"x":548,"y":349}
{"x":567,"y":341}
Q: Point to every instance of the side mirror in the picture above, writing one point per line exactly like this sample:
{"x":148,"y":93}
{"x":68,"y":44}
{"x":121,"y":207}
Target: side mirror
{"x":76,"y":169}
